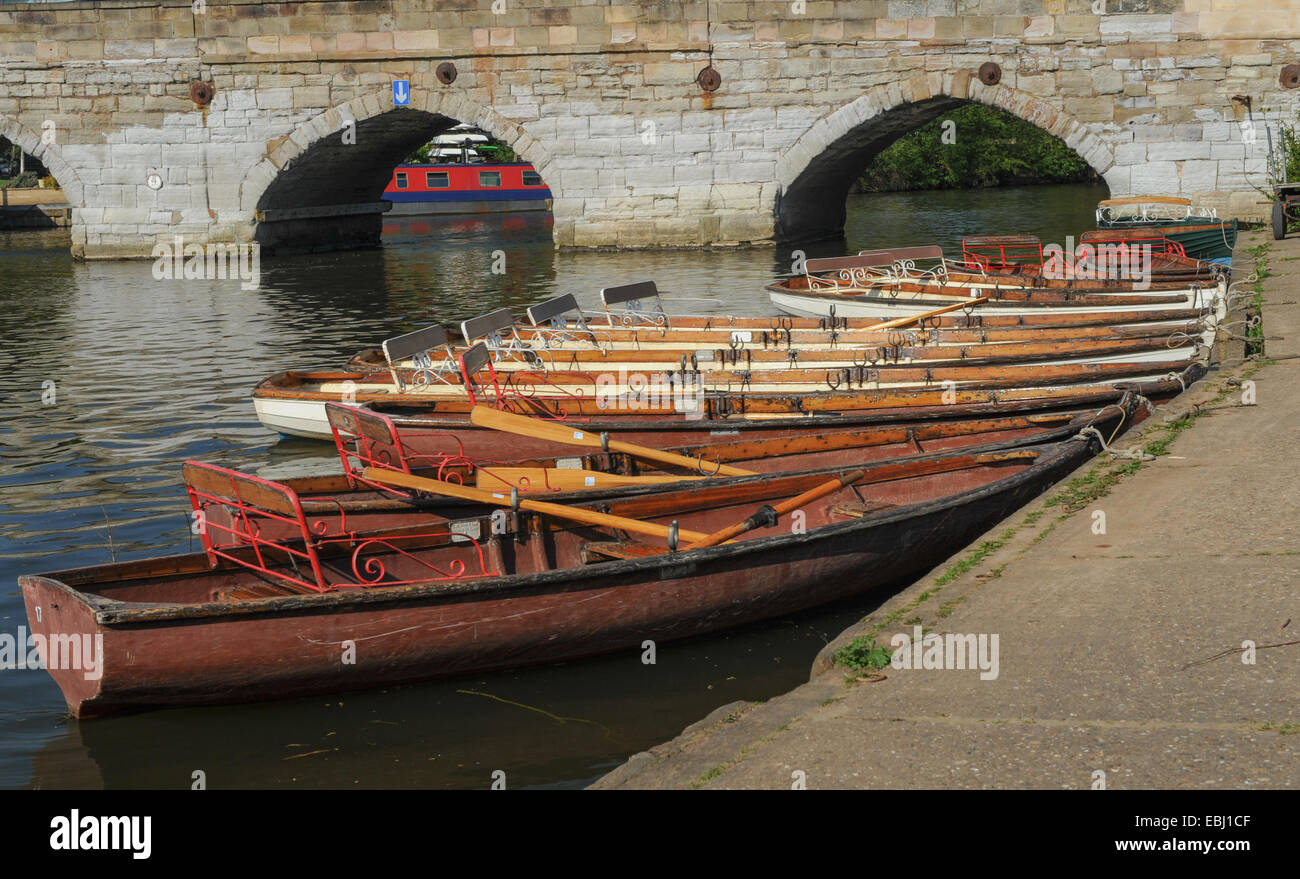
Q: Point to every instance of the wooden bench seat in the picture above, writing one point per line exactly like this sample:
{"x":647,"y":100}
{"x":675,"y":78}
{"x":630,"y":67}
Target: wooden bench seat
{"x":262,"y":590}
{"x":857,"y":511}
{"x":599,"y":551}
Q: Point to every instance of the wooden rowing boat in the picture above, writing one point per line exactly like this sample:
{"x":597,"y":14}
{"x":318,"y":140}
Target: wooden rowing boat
{"x":697,"y":349}
{"x":815,"y":327}
{"x":634,"y":319}
{"x":1197,"y":230}
{"x":368,"y":439}
{"x":1199,"y":238}
{"x":750,"y":416}
{"x":266,"y":619}
{"x":985,"y":262}
{"x":293,"y":403}
{"x":1025,"y":256}
{"x":805,"y":296}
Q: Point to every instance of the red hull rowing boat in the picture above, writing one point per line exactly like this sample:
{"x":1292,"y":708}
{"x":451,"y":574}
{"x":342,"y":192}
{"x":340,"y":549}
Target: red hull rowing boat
{"x":176,"y":631}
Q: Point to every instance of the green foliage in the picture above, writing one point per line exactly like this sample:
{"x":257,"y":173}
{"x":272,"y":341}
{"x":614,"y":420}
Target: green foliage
{"x":495,"y":152}
{"x":421,"y":156}
{"x":498,"y":152}
{"x":1287,"y":169}
{"x":1255,"y":313}
{"x":26,"y":180}
{"x":862,"y":653}
{"x":988,"y":148}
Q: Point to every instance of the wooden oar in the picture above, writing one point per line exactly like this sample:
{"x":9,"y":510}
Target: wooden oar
{"x":558,"y":432}
{"x":560,"y":511}
{"x":561,"y":478}
{"x":904,"y":321}
{"x":766,"y":516}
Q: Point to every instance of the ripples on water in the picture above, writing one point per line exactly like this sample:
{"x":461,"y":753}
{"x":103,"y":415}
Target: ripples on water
{"x":150,"y":373}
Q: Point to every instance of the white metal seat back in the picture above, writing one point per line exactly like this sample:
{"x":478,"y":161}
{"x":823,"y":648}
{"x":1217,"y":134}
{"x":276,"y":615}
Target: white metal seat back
{"x":427,"y":351}
{"x":839,"y":270}
{"x":911,"y":262}
{"x":633,"y":298}
{"x":499,"y":335}
{"x":550,"y":320}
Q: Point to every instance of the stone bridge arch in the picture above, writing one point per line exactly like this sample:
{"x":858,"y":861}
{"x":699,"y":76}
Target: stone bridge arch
{"x":312,"y":169}
{"x":814,"y":174}
{"x":50,"y":156}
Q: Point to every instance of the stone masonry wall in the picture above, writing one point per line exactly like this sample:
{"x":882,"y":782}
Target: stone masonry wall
{"x":602,"y":98}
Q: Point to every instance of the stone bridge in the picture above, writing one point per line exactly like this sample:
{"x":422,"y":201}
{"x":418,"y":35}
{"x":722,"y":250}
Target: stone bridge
{"x":229,"y":120}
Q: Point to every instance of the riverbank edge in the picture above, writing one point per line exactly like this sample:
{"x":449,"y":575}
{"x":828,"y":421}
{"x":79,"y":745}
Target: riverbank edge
{"x":704,"y":751}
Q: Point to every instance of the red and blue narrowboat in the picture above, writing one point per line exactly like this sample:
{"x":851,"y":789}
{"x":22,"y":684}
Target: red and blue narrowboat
{"x":474,"y":187}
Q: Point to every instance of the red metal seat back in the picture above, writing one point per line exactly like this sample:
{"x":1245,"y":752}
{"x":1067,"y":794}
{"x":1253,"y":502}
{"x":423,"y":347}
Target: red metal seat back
{"x":365,"y":438}
{"x":233,"y":509}
{"x":1002,"y":251}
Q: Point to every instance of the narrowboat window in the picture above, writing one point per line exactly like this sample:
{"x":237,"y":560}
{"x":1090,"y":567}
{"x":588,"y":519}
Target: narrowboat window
{"x":532,"y":178}
{"x":489,"y":178}
{"x":437,"y":180}
{"x":401,"y":179}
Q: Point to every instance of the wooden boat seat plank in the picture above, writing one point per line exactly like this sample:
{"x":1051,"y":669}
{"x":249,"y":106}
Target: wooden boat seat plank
{"x":599,"y":551}
{"x":250,"y":591}
{"x":857,"y":511}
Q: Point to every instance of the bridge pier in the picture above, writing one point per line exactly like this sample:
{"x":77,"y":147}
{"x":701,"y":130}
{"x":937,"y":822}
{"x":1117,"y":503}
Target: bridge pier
{"x":320,"y":229}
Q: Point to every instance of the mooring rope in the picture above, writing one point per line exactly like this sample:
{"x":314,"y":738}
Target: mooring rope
{"x":1134,"y":453}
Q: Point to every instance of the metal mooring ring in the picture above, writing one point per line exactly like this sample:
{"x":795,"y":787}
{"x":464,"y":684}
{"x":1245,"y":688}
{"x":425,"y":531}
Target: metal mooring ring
{"x":201,"y":93}
{"x":446,"y":73}
{"x":1290,"y":78}
{"x":709,"y":79}
{"x":990,"y":73}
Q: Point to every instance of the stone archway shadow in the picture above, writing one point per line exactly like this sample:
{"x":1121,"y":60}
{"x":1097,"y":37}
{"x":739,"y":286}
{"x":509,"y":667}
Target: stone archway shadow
{"x":814,"y":174}
{"x":371,"y":108}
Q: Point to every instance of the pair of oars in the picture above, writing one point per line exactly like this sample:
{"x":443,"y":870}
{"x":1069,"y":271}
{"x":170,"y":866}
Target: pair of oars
{"x":765,"y":517}
{"x":486,"y":417}
{"x":567,"y":434}
{"x":904,"y":321}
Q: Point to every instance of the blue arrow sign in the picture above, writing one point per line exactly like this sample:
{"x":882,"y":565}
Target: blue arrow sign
{"x":401,"y":92}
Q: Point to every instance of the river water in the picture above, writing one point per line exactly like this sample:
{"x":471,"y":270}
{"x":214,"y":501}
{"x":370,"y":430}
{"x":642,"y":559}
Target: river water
{"x":113,"y":378}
